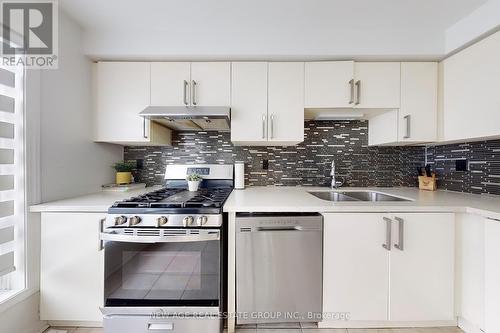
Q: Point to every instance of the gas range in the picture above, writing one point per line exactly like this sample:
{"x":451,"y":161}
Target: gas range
{"x":165,"y":255}
{"x":174,"y":205}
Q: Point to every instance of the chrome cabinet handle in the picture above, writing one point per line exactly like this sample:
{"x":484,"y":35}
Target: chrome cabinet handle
{"x":408,"y":126}
{"x":401,"y":234}
{"x":263,"y":126}
{"x":144,"y":135}
{"x":193,"y":92}
{"x":272,"y":126}
{"x":358,"y":92}
{"x":186,"y":102}
{"x":351,"y":98}
{"x":388,"y":225}
{"x":101,"y":229}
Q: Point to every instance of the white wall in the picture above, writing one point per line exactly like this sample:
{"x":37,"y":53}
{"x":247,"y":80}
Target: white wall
{"x":71,"y":164}
{"x":23,"y":317}
{"x":304,"y":43}
{"x":483,"y":20}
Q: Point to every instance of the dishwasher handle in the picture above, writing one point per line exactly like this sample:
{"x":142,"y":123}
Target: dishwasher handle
{"x":288,"y":228}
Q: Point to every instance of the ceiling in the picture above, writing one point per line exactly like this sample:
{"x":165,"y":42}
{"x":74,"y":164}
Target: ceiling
{"x":271,"y":14}
{"x":296,"y":22}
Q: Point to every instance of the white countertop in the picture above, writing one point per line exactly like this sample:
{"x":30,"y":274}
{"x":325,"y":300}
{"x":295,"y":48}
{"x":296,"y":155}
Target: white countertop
{"x":296,"y":199}
{"x":95,"y":202}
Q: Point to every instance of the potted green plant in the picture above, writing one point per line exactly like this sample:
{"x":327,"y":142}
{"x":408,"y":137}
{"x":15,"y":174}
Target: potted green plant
{"x":124,"y":172}
{"x":194,"y":181}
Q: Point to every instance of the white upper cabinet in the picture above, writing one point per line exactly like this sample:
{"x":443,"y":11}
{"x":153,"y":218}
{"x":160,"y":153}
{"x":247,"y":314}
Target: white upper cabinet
{"x":121,"y":91}
{"x":471,"y":99}
{"x":418,"y":112}
{"x":170,"y":83}
{"x":415,"y":121}
{"x":377,"y":85}
{"x":422,"y":267}
{"x":286,"y":102}
{"x":267,"y":103}
{"x":249,"y":102}
{"x":329,"y":84}
{"x":210,"y":83}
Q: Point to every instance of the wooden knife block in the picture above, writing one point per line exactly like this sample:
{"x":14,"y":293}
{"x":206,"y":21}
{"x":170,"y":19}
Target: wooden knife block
{"x":427,"y":183}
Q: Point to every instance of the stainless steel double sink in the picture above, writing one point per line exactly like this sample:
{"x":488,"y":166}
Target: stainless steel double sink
{"x":369,"y":196}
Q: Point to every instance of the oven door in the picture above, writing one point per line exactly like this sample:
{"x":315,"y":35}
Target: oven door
{"x":161,"y":268}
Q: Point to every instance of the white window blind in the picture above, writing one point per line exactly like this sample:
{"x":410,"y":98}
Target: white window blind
{"x":12,"y":174}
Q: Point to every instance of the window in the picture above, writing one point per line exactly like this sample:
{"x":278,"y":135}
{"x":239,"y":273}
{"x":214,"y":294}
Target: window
{"x":12,"y":181}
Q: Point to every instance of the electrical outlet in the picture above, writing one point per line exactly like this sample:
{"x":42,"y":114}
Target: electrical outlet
{"x":461,"y":165}
{"x":265,"y":164}
{"x":139,"y":164}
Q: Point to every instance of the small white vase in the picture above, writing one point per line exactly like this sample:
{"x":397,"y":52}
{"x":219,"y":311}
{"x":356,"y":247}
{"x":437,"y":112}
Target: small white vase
{"x":193,"y":185}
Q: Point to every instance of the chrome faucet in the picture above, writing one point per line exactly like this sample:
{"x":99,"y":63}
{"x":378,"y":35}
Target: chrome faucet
{"x":334,"y":183}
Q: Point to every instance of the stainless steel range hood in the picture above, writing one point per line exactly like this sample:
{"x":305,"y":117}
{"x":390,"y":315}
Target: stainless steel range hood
{"x":190,"y":118}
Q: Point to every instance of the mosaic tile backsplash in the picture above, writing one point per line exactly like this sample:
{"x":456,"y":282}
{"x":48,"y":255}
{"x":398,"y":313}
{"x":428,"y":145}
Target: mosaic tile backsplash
{"x":306,"y":164}
{"x":483,"y":175}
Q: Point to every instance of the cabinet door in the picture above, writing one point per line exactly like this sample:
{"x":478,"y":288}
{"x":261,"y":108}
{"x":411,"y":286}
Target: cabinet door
{"x":72,"y":267}
{"x":492,"y":276}
{"x":170,"y":83}
{"x":378,"y":85}
{"x":249,"y":102}
{"x":418,"y":112}
{"x":383,"y":129}
{"x":122,"y":91}
{"x":286,"y":102}
{"x":422,"y":272}
{"x":355,"y":266}
{"x":470,"y":269}
{"x":211,"y":83}
{"x":471,"y":102}
{"x":327,"y":84}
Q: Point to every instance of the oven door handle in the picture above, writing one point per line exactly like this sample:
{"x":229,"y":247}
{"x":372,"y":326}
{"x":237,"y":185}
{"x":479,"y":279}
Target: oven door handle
{"x":211,"y":236}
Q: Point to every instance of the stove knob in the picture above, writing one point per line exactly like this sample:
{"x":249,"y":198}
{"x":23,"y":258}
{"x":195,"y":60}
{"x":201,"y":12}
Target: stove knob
{"x":119,"y":220}
{"x":201,"y":220}
{"x":187,"y":221}
{"x":134,"y":220}
{"x":162,"y":220}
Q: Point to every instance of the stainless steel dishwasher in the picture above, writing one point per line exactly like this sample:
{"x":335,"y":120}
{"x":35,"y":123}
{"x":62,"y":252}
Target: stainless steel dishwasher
{"x":279,"y":267}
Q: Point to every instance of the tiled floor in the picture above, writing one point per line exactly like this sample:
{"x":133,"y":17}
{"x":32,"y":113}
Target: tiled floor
{"x":288,"y":328}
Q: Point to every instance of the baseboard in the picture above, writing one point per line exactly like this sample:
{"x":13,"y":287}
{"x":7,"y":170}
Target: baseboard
{"x":72,"y":323}
{"x":386,"y":324}
{"x":468,"y":327}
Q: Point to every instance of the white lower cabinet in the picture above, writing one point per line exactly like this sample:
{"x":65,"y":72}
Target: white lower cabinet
{"x":389,"y":267}
{"x":422,"y":267}
{"x":492,"y":276}
{"x":355,"y":266}
{"x":470,"y":257}
{"x":72,"y":267}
